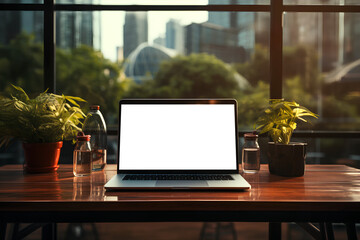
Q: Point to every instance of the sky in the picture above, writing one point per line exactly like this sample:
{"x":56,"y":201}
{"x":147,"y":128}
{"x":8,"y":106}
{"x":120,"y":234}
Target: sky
{"x":112,"y":23}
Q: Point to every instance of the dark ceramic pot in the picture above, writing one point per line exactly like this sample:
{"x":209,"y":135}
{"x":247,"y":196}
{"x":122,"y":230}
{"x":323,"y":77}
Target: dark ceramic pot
{"x":42,"y":157}
{"x":287,"y":160}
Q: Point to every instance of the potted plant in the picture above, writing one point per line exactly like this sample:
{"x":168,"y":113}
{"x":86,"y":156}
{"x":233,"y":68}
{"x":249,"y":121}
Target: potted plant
{"x":279,"y":120}
{"x":41,"y":123}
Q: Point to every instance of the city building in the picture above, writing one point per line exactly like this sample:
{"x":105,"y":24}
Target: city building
{"x":329,"y":33}
{"x":135,"y":31}
{"x":252,"y":28}
{"x":119,"y":54}
{"x":160,"y":41}
{"x":78,"y":28}
{"x":315,"y":30}
{"x":214,"y":39}
{"x":351,"y":36}
{"x":72,"y":28}
{"x":20,"y":21}
{"x":143,"y":63}
{"x":175,"y":38}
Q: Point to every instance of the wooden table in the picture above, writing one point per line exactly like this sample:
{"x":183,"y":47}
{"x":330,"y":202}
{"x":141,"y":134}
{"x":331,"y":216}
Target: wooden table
{"x":326,"y":193}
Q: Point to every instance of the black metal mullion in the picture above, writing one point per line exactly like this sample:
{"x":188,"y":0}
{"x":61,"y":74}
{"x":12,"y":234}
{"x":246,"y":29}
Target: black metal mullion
{"x":276,"y":45}
{"x":21,"y":7}
{"x":49,"y":46}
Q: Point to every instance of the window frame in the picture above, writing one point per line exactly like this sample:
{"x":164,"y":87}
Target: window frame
{"x":276,"y":9}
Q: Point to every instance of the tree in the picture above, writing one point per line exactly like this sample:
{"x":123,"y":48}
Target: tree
{"x":251,"y":102}
{"x":193,"y":76}
{"x":302,"y":83}
{"x":21,"y":63}
{"x":82,"y":72}
{"x":301,"y":61}
{"x":85,"y":72}
{"x":257,"y":69}
{"x":297,"y":61}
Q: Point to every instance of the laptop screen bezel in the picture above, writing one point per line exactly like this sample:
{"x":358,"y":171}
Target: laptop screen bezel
{"x":179,"y":101}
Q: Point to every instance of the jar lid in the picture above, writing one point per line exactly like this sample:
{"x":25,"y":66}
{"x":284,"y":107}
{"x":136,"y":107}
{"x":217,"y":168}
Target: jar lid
{"x":252,"y":135}
{"x":95,"y":107}
{"x":82,"y":137}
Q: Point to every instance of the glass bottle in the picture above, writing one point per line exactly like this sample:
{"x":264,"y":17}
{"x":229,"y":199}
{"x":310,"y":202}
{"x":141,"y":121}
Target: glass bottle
{"x":95,"y":126}
{"x":251,"y":153}
{"x":82,"y":156}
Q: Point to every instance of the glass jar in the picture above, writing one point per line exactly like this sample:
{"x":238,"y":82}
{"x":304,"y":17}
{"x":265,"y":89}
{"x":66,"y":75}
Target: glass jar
{"x":251,"y":153}
{"x":82,"y":156}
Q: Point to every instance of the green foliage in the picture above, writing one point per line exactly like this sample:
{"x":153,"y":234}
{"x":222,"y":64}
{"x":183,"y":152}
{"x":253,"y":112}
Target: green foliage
{"x":279,"y":119}
{"x":302,"y":62}
{"x":21,"y":63}
{"x":298,"y":61}
{"x":85,"y":72}
{"x":257,"y":69}
{"x":193,"y":76}
{"x":294,"y":90}
{"x":251,"y":101}
{"x":82,"y":72}
{"x":45,"y":118}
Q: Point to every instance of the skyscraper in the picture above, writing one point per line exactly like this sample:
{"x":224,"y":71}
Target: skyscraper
{"x":214,"y":39}
{"x":242,"y":22}
{"x":72,"y":28}
{"x":14,"y":22}
{"x":78,"y":28}
{"x":319,"y":31}
{"x":221,"y":18}
{"x":351,"y":37}
{"x":135,"y":31}
{"x":175,"y":38}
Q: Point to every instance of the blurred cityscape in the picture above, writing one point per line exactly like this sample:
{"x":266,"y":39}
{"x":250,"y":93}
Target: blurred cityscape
{"x":230,"y":36}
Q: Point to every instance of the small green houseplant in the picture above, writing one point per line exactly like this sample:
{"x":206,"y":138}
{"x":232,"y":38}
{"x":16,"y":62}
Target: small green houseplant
{"x":44,"y":121}
{"x":279,"y":120}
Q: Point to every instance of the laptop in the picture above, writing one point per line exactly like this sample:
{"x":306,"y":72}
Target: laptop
{"x":177,"y":144}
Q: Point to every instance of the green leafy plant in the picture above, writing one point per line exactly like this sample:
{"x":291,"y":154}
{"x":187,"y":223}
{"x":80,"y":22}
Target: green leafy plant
{"x":279,"y":119}
{"x":45,"y":118}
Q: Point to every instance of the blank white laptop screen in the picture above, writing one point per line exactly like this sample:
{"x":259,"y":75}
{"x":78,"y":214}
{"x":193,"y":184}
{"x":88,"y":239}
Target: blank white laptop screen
{"x":177,"y":137}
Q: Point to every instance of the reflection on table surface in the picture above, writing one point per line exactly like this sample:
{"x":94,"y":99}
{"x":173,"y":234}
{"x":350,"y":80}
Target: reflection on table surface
{"x":321,"y":183}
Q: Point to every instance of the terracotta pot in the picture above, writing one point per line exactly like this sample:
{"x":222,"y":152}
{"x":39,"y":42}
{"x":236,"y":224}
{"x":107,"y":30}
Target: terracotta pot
{"x":287,"y":160}
{"x":42,"y":157}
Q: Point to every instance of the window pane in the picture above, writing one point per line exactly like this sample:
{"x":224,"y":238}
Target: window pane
{"x":21,"y":62}
{"x":321,"y":67}
{"x":21,"y":50}
{"x":160,"y":54}
{"x":135,"y":44}
{"x":322,"y":2}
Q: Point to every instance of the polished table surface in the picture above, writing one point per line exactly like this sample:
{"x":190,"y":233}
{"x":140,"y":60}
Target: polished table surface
{"x":324,"y":193}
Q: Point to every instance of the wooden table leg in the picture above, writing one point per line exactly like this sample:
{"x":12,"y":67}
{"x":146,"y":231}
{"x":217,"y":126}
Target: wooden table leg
{"x":275,"y":230}
{"x":329,"y":231}
{"x":3,"y":226}
{"x":351,"y":231}
{"x":49,"y":231}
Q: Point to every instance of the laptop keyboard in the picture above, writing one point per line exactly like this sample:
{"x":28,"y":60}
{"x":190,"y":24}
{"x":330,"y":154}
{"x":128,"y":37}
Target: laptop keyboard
{"x":210,"y":177}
